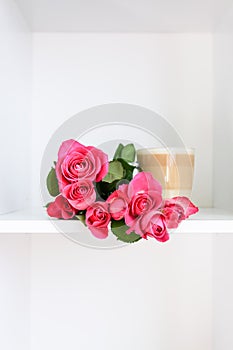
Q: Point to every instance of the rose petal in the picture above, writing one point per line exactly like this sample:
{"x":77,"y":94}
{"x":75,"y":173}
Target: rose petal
{"x":66,"y":215}
{"x":59,"y":201}
{"x":67,"y":147}
{"x":101,"y":162}
{"x":145,"y":226}
{"x":62,"y":182}
{"x":99,"y":232}
{"x":124,"y":188}
{"x":188,"y":206}
{"x":154,"y":200}
{"x":97,"y":219}
{"x":162,"y":239}
{"x":118,"y":203}
{"x":61,"y":209}
{"x":54,"y":211}
{"x":78,"y":199}
{"x":143,"y":181}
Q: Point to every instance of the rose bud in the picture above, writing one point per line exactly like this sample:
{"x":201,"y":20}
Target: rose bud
{"x":61,"y":209}
{"x":173,"y":212}
{"x":118,"y":203}
{"x":188,"y":206}
{"x":145,"y":194}
{"x":97,"y":219}
{"x":78,"y":162}
{"x":151,"y":224}
{"x":80,"y":194}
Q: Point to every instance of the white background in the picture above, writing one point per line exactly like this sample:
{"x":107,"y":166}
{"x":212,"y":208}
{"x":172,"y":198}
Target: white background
{"x":144,"y":296}
{"x":14,"y":292}
{"x":172,"y":297}
{"x":223,"y":113}
{"x":171,"y":74}
{"x":15,"y":92}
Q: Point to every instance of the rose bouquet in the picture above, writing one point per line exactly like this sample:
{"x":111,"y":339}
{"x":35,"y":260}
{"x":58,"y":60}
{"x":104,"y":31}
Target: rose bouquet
{"x":116,"y":195}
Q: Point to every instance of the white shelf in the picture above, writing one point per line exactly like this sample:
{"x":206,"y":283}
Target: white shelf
{"x":34,"y":220}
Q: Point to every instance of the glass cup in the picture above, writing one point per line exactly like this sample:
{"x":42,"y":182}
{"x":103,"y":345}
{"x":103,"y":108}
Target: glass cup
{"x":173,"y":168}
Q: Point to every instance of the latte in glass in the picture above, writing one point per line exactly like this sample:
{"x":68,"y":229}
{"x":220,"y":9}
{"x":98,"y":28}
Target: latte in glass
{"x":173,"y":168}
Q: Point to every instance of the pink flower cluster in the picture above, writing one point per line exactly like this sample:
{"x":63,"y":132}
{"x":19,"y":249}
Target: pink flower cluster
{"x":139,"y":203}
{"x":77,"y":168}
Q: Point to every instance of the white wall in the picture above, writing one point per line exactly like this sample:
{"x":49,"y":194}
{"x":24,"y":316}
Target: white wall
{"x":223,"y":175}
{"x":223,"y":292}
{"x":15,"y":85}
{"x":15,"y":80}
{"x":161,"y":296}
{"x":14,"y":291}
{"x":223,"y":113}
{"x":168,"y":73}
{"x":145,"y":296}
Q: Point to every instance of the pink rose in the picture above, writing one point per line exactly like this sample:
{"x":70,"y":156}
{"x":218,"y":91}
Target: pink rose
{"x":76,"y":161}
{"x":152,"y":224}
{"x":97,"y":219}
{"x":61,"y":209}
{"x":118,"y":202}
{"x":182,"y":205}
{"x":80,"y":194}
{"x":145,"y":194}
{"x":187,"y":205}
{"x":173,"y":212}
{"x":143,"y":182}
{"x":177,"y":209}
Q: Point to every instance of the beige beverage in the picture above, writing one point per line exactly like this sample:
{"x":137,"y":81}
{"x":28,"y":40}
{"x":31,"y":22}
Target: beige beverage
{"x":173,"y":168}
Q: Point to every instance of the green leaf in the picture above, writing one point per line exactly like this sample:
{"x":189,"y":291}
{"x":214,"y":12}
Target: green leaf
{"x":104,"y":189}
{"x":115,"y":171}
{"x":128,"y":169}
{"x":52,"y":183}
{"x":119,"y":229}
{"x":81,"y":217}
{"x":118,"y":151}
{"x":128,"y":153}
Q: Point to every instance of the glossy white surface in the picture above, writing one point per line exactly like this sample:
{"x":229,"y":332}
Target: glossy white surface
{"x":34,"y":220}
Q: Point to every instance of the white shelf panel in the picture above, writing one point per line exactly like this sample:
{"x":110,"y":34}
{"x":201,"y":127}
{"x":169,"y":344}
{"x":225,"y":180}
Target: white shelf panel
{"x":34,"y":220}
